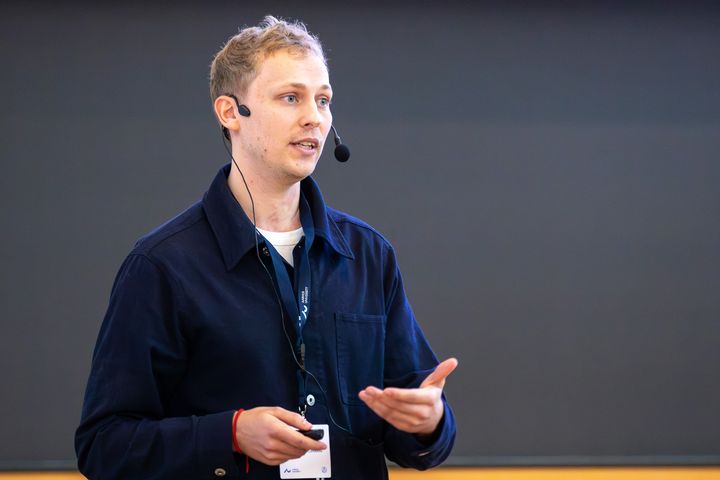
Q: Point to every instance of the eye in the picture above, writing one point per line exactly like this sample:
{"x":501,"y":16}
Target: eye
{"x":323,"y":102}
{"x":292,"y":98}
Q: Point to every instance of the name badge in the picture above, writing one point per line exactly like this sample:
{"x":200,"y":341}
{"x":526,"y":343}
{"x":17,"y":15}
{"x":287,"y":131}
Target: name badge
{"x":313,"y":464}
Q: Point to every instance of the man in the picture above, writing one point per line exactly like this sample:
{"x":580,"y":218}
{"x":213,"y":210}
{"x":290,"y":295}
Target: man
{"x":221,"y":344}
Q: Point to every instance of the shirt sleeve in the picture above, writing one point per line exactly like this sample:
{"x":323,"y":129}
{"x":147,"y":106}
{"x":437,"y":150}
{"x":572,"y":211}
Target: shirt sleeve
{"x":408,"y":361}
{"x":140,"y":354}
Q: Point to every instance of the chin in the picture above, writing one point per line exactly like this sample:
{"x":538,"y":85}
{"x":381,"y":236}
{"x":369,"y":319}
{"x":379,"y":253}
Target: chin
{"x":303,"y":169}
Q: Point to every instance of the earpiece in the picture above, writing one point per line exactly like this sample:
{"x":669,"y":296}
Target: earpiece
{"x":242,"y":110}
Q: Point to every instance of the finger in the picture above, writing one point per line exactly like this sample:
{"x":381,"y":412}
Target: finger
{"x":277,"y":449}
{"x":438,"y":376}
{"x":386,"y":407}
{"x":369,"y":395}
{"x":424,"y":396}
{"x":399,"y":420}
{"x":401,"y":397}
{"x":372,"y":390}
{"x":297,"y":440}
{"x":420,"y":410}
{"x":380,"y":409}
{"x":291,"y":418}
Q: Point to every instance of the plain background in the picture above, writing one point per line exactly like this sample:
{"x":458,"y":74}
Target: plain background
{"x":547,"y":172}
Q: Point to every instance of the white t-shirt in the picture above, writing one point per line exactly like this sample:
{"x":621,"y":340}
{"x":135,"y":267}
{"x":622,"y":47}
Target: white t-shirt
{"x":284,"y":242}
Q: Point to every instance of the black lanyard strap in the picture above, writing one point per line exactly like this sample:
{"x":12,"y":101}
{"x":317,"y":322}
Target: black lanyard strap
{"x":296,"y":303}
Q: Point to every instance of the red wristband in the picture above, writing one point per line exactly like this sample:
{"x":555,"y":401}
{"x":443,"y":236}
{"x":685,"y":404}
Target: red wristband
{"x":236,"y":447}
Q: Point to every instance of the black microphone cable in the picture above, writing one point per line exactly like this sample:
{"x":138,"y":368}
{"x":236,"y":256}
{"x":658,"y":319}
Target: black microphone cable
{"x":277,"y":295}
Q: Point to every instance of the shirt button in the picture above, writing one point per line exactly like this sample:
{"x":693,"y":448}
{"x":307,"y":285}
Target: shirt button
{"x":310,"y":400}
{"x":266,"y":252}
{"x":220,"y":472}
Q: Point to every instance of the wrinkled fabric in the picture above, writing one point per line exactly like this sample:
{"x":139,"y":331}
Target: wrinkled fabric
{"x":193,"y":332}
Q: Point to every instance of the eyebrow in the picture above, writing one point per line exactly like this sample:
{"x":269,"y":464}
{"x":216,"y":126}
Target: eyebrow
{"x":302,"y":86}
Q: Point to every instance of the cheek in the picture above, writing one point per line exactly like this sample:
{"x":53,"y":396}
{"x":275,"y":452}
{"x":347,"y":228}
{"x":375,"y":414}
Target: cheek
{"x":277,"y":127}
{"x":261,"y":135}
{"x":326,"y":124}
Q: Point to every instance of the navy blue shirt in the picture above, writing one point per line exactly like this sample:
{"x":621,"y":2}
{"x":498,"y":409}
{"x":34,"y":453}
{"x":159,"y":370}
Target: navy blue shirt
{"x":193,"y":332}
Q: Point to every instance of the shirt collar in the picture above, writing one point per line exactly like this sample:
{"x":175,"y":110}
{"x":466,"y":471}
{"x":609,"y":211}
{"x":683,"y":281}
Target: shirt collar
{"x":234,"y":230}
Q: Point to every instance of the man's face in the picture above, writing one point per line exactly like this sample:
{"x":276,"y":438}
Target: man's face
{"x":290,"y":116}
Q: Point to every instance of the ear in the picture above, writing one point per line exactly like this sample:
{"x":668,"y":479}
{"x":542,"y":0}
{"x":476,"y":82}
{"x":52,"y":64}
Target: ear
{"x":226,"y":113}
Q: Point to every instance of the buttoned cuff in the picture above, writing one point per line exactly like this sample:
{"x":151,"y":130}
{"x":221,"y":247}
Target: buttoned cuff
{"x":213,"y":445}
{"x":415,"y":453}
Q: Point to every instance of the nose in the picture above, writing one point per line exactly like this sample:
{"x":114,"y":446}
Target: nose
{"x":311,"y":116}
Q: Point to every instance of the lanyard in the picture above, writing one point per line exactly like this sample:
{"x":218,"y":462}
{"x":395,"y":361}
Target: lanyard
{"x":297,"y":305}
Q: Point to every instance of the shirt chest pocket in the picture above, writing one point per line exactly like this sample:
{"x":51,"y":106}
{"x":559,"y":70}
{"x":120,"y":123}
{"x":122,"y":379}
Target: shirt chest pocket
{"x":360,"y":353}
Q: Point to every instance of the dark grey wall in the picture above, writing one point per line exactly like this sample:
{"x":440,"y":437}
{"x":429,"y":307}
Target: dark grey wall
{"x":548,"y":174}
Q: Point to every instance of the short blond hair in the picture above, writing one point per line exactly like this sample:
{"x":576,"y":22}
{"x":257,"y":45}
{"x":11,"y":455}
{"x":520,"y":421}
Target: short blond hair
{"x":236,"y":64}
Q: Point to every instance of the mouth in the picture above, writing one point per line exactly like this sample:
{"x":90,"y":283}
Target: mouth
{"x":307,"y":144}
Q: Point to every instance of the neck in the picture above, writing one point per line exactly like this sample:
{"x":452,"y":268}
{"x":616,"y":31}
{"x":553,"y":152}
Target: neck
{"x":277,"y":207}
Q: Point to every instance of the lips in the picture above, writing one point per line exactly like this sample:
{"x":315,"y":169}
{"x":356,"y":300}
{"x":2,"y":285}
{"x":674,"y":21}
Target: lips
{"x":307,"y":143}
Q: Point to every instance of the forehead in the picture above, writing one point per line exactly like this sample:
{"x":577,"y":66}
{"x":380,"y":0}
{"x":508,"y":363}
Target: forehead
{"x":289,"y":67}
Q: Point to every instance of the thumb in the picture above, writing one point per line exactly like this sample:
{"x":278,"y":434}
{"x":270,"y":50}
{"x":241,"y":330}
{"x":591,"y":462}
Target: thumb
{"x":291,"y":418}
{"x":438,"y":376}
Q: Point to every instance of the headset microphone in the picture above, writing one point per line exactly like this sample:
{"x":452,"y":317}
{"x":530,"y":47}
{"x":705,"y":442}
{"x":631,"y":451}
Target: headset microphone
{"x":242,"y":110}
{"x":342,"y":152}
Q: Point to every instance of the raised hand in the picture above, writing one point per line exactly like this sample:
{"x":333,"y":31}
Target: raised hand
{"x":413,"y":410}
